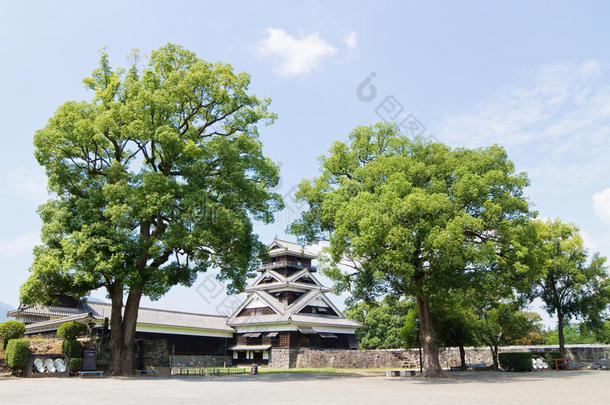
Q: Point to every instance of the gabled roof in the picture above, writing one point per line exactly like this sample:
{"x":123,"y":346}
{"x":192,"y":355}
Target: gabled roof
{"x":298,"y":305}
{"x":269,"y":273}
{"x":53,"y":324}
{"x":305,"y":272}
{"x":40,"y":310}
{"x":286,"y":282}
{"x":303,"y":319}
{"x":272,"y":302}
{"x":100,"y":310}
{"x":282,"y":247}
{"x":167,"y":318}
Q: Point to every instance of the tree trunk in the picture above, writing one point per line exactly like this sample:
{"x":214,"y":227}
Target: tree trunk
{"x":130,"y":318}
{"x":116,"y":328}
{"x":462,"y":357}
{"x":494,"y":355}
{"x":562,"y":348}
{"x":432,"y":367}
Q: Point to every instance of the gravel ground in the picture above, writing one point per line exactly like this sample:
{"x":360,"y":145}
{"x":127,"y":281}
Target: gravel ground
{"x":565,"y":387}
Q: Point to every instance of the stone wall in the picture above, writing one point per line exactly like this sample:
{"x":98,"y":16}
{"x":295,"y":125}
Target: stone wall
{"x":449,"y":357}
{"x":283,"y":357}
{"x":156,"y":353}
{"x":186,"y":360}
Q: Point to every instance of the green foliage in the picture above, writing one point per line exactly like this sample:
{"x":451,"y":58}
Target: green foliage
{"x":158,"y":178}
{"x":72,"y":348}
{"x":602,"y":332}
{"x":76,"y":364}
{"x":518,"y":361}
{"x":573,"y":335}
{"x":17,"y":354}
{"x":505,"y":324}
{"x":550,"y":356}
{"x":530,"y":331}
{"x":71,"y":330}
{"x":10,"y":330}
{"x":416,"y":219}
{"x":382,"y":323}
{"x":454,"y":324}
{"x":569,"y":285}
{"x":412,"y":216}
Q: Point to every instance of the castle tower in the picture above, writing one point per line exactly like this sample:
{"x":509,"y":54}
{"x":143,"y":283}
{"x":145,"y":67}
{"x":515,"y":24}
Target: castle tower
{"x":287,"y":308}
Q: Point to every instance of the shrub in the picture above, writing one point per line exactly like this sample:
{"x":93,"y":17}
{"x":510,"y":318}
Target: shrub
{"x":549,"y":356}
{"x":72,"y":348}
{"x":11,"y":330}
{"x":17,"y":354}
{"x":75,"y":364}
{"x":518,"y":361}
{"x":71,"y":330}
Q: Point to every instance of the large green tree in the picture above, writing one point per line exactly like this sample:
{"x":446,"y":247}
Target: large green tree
{"x":413,"y":218}
{"x":156,"y":179}
{"x":570,"y":285}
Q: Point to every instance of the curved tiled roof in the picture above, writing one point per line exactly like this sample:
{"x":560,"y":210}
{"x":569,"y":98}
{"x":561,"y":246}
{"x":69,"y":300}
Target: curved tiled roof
{"x":282,"y":247}
{"x":150,"y":316}
{"x":101,"y":310}
{"x":39,"y":310}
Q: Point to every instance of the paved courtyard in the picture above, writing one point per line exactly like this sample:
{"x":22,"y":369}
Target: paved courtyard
{"x":582,"y":387}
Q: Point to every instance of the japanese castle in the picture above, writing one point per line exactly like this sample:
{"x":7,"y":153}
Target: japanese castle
{"x":286,"y":309}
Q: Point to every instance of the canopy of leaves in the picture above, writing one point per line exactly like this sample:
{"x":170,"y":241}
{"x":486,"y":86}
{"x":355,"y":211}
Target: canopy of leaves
{"x":579,"y":334}
{"x":382,"y":323}
{"x":569,"y":283}
{"x":159,"y":177}
{"x":505,"y":324}
{"x":454,"y":324}
{"x":414,"y":218}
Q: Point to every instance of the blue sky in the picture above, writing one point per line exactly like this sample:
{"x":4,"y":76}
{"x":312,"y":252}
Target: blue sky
{"x":532,"y":77}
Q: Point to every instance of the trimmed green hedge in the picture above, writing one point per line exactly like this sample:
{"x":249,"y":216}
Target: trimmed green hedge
{"x":76,"y":364}
{"x":17,"y":354}
{"x":71,"y":330}
{"x":516,"y":361}
{"x":11,"y":330}
{"x":72,"y":348}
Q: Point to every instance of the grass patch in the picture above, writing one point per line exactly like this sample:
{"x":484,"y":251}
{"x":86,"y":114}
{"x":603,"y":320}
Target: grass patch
{"x":368,"y":371}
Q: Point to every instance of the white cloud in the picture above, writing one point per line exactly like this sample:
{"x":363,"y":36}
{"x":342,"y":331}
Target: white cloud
{"x":560,"y":119}
{"x":24,"y":183}
{"x":601,"y":205}
{"x":351,"y":40}
{"x":294,"y":56}
{"x":21,"y":244}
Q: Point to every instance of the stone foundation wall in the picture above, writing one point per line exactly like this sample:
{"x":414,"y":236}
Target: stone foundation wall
{"x":156,"y":353}
{"x":186,"y":360}
{"x":283,"y":358}
{"x":449,"y":357}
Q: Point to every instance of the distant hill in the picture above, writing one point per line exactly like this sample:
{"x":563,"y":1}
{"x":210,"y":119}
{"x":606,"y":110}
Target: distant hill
{"x":3,"y":308}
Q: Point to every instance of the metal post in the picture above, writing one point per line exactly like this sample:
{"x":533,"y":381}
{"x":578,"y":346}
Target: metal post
{"x":171,"y":360}
{"x":421,"y":366}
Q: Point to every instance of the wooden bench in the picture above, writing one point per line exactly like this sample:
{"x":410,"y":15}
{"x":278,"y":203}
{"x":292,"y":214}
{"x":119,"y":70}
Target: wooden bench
{"x":147,"y":372}
{"x":82,"y":374}
{"x":562,"y":363}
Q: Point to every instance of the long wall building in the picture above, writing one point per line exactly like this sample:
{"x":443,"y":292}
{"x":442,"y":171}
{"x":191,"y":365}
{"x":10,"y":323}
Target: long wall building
{"x":286,"y":309}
